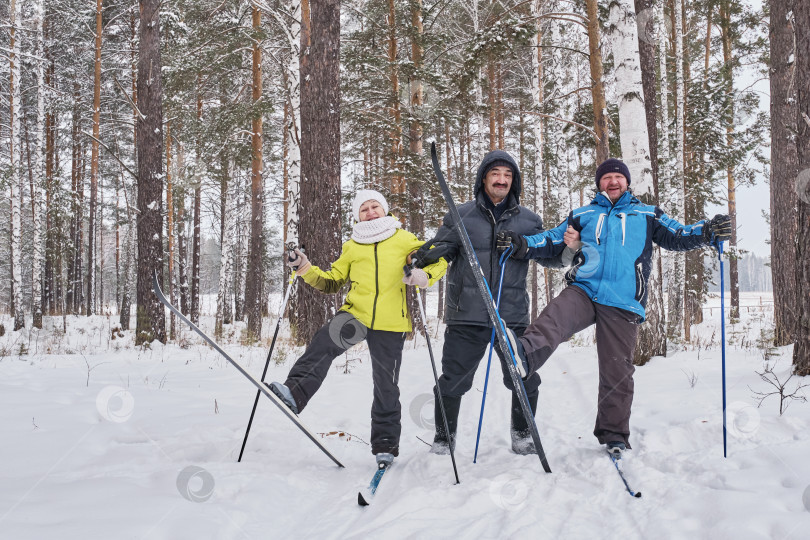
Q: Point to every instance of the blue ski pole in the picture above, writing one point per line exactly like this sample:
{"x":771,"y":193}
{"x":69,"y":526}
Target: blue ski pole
{"x":502,"y":263}
{"x":723,"y":337}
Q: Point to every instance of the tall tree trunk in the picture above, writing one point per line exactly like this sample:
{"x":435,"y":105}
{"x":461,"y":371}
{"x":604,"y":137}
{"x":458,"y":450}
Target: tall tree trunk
{"x":733,"y":257}
{"x":223,"y":314}
{"x":196,"y":248}
{"x":53,"y":290}
{"x":100,"y":249}
{"x":90,"y":306}
{"x":538,"y":97}
{"x":292,"y":79}
{"x":242,"y":258}
{"x":397,"y":187}
{"x":130,"y":260}
{"x":319,"y":229}
{"x":254,"y":286}
{"x":493,"y":104}
{"x":119,"y":180}
{"x":499,"y":101}
{"x":600,"y":125}
{"x":695,"y":210}
{"x":77,"y":181}
{"x":227,"y":210}
{"x":416,"y":203}
{"x":170,"y":226}
{"x":415,"y":132}
{"x":635,"y":77}
{"x":801,"y":351}
{"x":676,"y":278}
{"x":15,"y":117}
{"x":130,"y":263}
{"x":37,"y":194}
{"x":182,"y":237}
{"x":196,"y":239}
{"x":664,"y":142}
{"x":784,"y":167}
{"x":151,"y":319}
{"x":633,"y":131}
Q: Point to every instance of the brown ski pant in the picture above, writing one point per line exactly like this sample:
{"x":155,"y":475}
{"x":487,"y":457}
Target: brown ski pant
{"x":616,"y":331}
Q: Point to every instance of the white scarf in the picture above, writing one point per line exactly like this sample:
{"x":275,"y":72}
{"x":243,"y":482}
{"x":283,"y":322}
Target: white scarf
{"x":376,"y":230}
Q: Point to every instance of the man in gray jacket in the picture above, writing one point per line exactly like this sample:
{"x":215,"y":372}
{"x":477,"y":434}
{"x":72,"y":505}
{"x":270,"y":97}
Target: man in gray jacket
{"x":496,"y":208}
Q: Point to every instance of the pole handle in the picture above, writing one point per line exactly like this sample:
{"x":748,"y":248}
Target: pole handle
{"x":291,"y":247}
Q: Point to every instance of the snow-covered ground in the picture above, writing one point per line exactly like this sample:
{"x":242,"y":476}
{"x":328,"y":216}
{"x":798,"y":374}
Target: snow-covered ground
{"x":104,"y":440}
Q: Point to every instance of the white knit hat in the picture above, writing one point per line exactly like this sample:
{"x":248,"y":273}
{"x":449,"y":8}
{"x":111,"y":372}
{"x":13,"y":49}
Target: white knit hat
{"x":364,"y":195}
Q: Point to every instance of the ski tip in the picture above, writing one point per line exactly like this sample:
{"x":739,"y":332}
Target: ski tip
{"x":637,"y":495}
{"x":361,"y":500}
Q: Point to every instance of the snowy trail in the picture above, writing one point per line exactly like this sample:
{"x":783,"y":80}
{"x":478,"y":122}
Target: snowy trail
{"x":108,"y":459}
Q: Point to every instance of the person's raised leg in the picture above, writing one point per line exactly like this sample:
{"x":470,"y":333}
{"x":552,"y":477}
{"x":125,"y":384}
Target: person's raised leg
{"x":565,"y":315}
{"x":616,"y":331}
{"x":330,"y":341}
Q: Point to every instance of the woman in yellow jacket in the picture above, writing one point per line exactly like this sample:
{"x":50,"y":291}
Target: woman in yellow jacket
{"x":375,"y":309}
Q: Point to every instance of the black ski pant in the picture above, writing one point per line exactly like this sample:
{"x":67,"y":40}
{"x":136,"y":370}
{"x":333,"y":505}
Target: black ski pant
{"x":464,"y":347}
{"x":309,"y":372}
{"x":616,"y":330}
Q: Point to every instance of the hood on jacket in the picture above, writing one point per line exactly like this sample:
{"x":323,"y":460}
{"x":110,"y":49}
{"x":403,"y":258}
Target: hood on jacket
{"x":498,"y":155}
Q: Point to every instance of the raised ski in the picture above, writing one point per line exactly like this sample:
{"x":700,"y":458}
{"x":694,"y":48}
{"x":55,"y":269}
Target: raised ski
{"x":256,"y":382}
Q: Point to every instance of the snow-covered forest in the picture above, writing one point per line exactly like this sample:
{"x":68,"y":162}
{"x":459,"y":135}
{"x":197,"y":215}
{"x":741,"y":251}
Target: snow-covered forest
{"x":194,"y":140}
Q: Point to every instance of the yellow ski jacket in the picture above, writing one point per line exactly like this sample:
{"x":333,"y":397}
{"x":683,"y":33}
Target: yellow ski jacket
{"x":377,"y":295}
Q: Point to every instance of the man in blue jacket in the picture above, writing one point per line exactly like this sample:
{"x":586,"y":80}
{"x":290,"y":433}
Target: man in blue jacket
{"x":607,"y":287}
{"x":495,"y":208}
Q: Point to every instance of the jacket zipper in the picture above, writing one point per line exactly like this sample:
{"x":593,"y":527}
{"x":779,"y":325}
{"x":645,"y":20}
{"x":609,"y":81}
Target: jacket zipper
{"x":376,"y":288}
{"x":402,"y":296}
{"x":493,"y":247}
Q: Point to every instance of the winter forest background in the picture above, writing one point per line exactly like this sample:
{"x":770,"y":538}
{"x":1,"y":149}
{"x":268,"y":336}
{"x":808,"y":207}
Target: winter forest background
{"x":195,"y":138}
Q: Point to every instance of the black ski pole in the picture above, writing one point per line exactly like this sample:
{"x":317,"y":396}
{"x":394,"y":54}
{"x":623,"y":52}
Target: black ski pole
{"x":435,"y":374}
{"x":291,"y":256}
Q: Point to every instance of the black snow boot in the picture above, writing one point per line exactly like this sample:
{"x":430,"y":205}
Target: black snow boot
{"x":522,"y":442}
{"x":441,"y":442}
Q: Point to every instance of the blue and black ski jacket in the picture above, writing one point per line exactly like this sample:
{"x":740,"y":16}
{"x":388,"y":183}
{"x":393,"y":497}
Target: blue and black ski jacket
{"x":614,"y":263}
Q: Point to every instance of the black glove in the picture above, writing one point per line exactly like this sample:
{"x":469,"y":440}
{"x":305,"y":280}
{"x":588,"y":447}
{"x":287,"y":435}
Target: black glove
{"x":425,"y":256}
{"x":517,"y":242}
{"x":717,"y":229}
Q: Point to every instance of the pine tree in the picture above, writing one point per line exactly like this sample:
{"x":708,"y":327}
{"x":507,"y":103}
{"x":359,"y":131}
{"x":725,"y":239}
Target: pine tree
{"x":801,"y":350}
{"x":151,"y":320}
{"x":784,"y":211}
{"x":319,"y":228}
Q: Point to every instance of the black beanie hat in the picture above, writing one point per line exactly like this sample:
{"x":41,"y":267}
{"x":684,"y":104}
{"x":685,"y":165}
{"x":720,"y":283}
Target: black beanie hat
{"x":498,"y":163}
{"x":612,"y":165}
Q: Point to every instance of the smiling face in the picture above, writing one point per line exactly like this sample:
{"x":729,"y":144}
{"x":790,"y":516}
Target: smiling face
{"x":371,"y":209}
{"x":497,"y":183}
{"x":614,"y":184}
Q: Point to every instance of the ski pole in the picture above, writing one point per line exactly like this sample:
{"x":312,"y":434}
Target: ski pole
{"x":502,"y":263}
{"x":407,"y":270}
{"x":290,"y":255}
{"x":723,"y":338}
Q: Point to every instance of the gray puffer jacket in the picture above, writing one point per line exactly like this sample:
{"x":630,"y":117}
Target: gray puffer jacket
{"x":464,"y":303}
